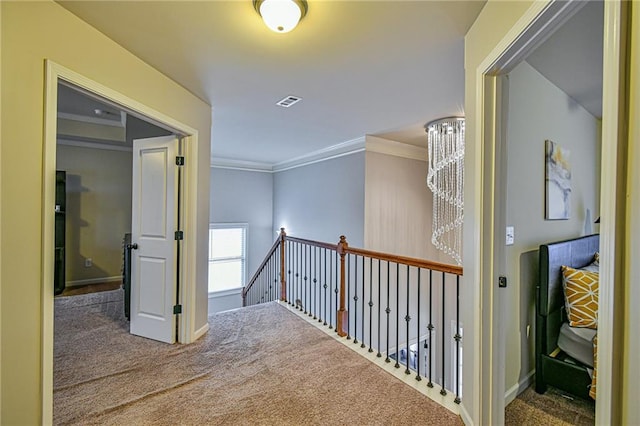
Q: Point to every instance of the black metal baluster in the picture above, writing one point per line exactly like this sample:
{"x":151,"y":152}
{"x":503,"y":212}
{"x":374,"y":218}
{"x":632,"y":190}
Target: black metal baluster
{"x":370,"y":304}
{"x":263,"y":276}
{"x":296,"y":275}
{"x":458,"y":337}
{"x":276,"y":273}
{"x":388,"y":311}
{"x":314,"y":298}
{"x":397,"y":365}
{"x":305,"y":291}
{"x":312,"y":280}
{"x":348,"y":300}
{"x":379,"y":313}
{"x":290,"y":273}
{"x":289,"y":265}
{"x":331,"y":289}
{"x":325,"y":287}
{"x":355,"y":299}
{"x":300,"y":277}
{"x":269,"y":280}
{"x":407,"y":318}
{"x":443,"y":391}
{"x":430,"y":328}
{"x":290,"y":276}
{"x":418,"y":359}
{"x":256,"y":290}
{"x":261,"y":286}
{"x":297,"y":290}
{"x":308,"y":272}
{"x":362,"y":345}
{"x":336,"y":290}
{"x":265,"y":282}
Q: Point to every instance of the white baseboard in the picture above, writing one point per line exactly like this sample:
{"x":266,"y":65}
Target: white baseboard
{"x":465,"y":416}
{"x":200,"y":332}
{"x":518,"y":388}
{"x":93,"y":281}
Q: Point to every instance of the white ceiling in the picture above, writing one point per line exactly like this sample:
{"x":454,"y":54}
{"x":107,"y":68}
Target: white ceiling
{"x":383,"y":68}
{"x":361,"y":67}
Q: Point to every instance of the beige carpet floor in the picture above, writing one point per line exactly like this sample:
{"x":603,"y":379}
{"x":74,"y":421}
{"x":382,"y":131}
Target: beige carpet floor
{"x":261,"y":366}
{"x":551,"y":408}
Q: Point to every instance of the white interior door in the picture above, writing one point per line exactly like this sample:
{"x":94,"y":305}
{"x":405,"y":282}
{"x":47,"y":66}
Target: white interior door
{"x":153,"y":226}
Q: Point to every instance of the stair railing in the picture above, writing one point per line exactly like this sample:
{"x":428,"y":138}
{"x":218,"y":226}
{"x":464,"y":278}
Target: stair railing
{"x":405,"y":309}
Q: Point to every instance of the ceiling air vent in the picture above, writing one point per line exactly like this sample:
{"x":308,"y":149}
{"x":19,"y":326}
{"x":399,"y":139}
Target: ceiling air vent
{"x":288,"y":101}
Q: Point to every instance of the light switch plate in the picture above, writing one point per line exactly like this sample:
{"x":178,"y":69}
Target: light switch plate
{"x":511,"y":236}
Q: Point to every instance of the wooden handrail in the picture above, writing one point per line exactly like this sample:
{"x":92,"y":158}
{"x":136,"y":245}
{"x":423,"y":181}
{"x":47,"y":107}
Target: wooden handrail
{"x":283,"y":280}
{"x":411,"y":261}
{"x":342,"y":248}
{"x":246,"y":288}
{"x":313,"y":243}
{"x":405,"y":260}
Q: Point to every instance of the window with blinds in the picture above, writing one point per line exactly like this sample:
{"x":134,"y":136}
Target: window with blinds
{"x":227,"y":256}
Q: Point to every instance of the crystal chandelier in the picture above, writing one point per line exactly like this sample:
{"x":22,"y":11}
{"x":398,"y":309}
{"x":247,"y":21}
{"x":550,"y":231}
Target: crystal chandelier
{"x":445,"y":179}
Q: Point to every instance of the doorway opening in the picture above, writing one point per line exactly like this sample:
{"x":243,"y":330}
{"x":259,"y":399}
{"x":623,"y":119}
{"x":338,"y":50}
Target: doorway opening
{"x":186,"y":333}
{"x":547,"y":99}
{"x":534,"y":27}
{"x":93,"y":190}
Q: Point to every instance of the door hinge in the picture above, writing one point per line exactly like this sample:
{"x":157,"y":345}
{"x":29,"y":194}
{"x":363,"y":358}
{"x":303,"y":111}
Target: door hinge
{"x":177,"y":309}
{"x":179,"y":236}
{"x":180,"y":160}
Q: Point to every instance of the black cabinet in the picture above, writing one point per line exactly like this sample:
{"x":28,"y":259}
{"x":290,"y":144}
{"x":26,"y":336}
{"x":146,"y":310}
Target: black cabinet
{"x":60,"y":212}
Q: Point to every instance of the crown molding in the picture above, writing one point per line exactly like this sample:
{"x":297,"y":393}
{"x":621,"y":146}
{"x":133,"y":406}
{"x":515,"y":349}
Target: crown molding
{"x":122,"y":122}
{"x":335,"y":151}
{"x":397,"y":149}
{"x":243,"y":165}
{"x":366,"y":143}
{"x":94,"y":145}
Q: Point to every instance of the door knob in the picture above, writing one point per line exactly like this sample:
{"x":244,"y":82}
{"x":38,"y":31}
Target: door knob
{"x":133,"y":246}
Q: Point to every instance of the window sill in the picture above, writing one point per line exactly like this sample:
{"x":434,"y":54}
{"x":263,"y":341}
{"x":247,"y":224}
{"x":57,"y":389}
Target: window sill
{"x":228,"y":292}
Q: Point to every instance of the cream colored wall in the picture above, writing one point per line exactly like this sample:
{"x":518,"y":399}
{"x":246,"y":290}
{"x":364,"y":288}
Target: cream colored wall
{"x":398,"y":207}
{"x":1,"y":39}
{"x":98,"y":212}
{"x":493,"y":23}
{"x":631,"y":383}
{"x":31,"y":33}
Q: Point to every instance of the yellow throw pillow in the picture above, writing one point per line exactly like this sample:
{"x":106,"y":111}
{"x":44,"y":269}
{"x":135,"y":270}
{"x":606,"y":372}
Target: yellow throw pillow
{"x":581,"y":296}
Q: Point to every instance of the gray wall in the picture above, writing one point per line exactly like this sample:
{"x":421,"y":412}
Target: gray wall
{"x":538,"y":110}
{"x":322,"y":201}
{"x":243,"y":196}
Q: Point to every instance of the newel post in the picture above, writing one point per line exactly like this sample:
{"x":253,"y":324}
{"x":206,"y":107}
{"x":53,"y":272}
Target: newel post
{"x":283,"y":279}
{"x":342,"y":318}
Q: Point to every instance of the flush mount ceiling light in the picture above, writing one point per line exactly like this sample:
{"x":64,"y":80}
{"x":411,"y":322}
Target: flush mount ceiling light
{"x":281,"y":16}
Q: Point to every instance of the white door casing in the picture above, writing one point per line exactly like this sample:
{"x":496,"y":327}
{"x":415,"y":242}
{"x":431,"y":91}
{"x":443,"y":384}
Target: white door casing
{"x":153,"y":223}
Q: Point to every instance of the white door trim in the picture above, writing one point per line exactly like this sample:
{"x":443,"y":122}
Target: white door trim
{"x":55,"y":73}
{"x":533,"y":27}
